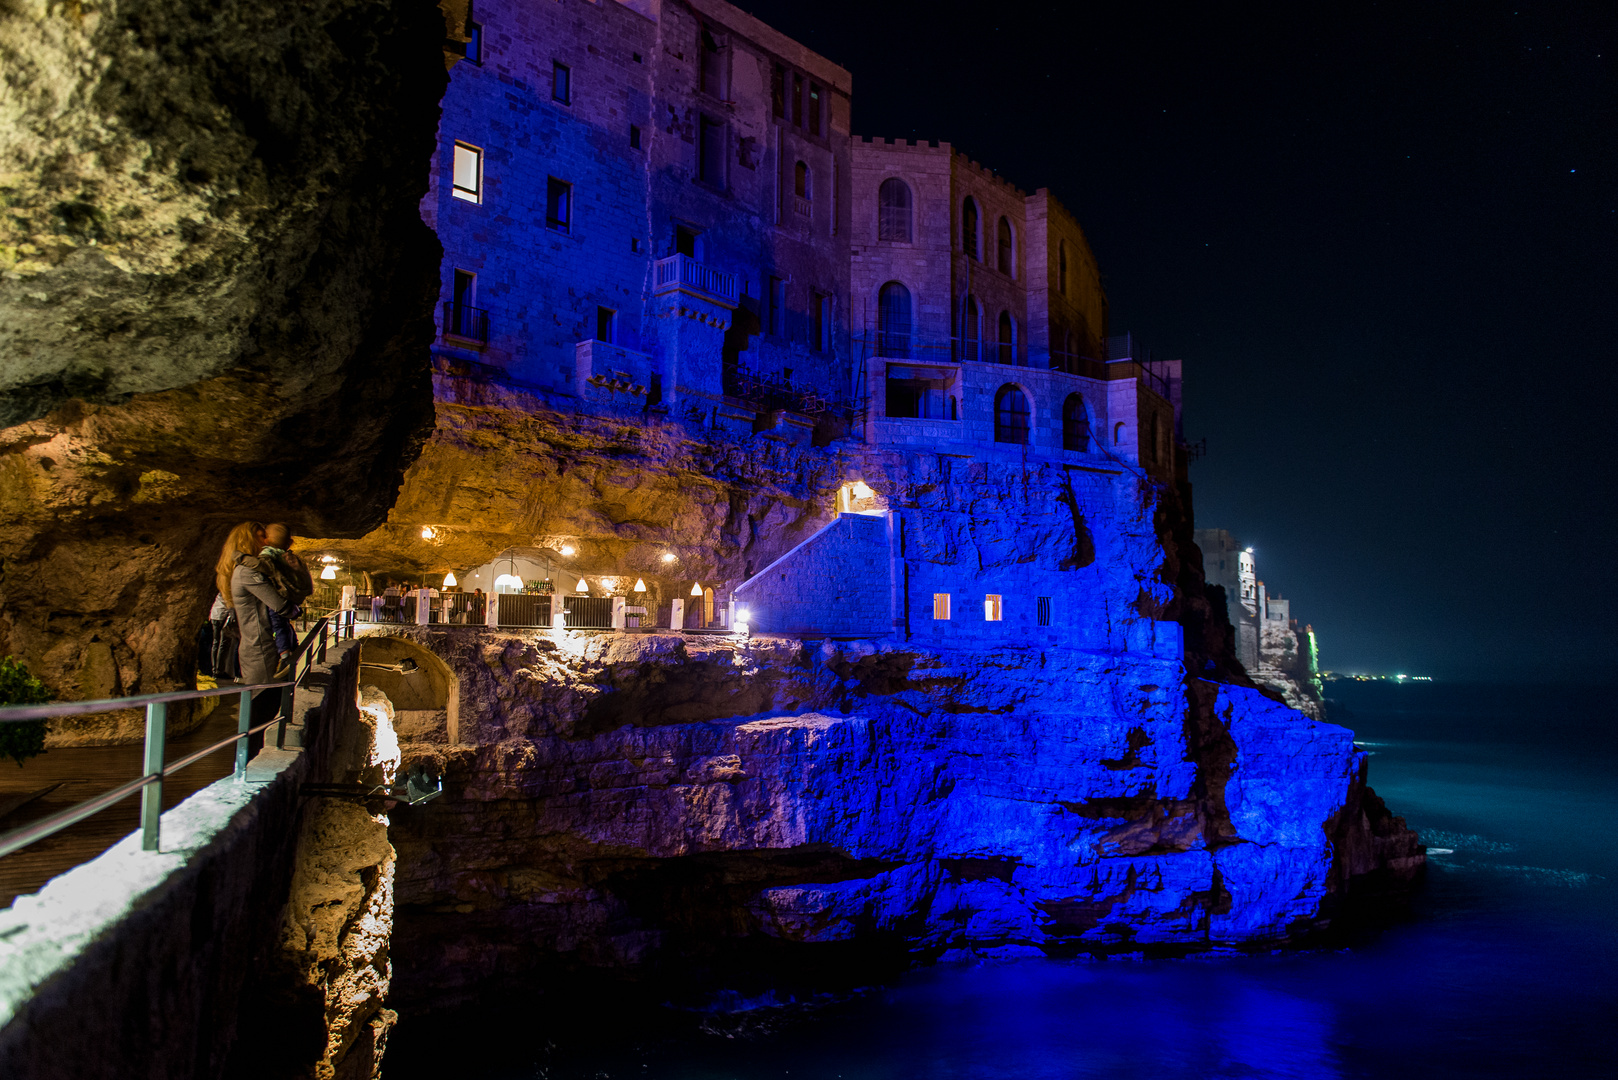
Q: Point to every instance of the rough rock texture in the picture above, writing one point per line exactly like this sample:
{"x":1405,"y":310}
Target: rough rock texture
{"x":215,"y":303}
{"x":654,"y":804}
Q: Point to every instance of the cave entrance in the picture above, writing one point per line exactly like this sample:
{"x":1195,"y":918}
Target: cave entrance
{"x":425,"y":700}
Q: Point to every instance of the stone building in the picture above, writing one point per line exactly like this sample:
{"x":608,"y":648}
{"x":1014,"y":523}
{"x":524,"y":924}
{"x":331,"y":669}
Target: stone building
{"x":657,"y":208}
{"x":643,"y":205}
{"x":957,"y":277}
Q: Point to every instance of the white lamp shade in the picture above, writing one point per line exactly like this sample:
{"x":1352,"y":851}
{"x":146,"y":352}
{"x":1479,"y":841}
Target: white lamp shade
{"x":329,"y":573}
{"x":696,"y":589}
{"x":582,"y":586}
{"x":640,"y":585}
{"x":449,"y":580}
{"x":508,"y":583}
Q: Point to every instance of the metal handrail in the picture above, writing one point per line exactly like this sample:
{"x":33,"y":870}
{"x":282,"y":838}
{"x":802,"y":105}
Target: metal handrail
{"x":150,"y":782}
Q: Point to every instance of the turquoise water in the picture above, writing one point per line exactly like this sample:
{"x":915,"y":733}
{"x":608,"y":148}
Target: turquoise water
{"x":1507,"y":966}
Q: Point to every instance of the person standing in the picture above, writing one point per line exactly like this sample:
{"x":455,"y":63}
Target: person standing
{"x":250,"y":595}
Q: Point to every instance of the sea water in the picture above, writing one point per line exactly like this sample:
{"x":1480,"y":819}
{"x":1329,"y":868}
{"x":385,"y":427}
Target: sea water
{"x":1506,"y":965}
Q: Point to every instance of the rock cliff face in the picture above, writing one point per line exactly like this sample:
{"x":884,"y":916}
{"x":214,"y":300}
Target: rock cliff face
{"x":648,"y":803}
{"x":215,"y":303}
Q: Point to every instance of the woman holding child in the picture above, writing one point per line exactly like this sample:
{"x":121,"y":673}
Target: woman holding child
{"x":244,"y":585}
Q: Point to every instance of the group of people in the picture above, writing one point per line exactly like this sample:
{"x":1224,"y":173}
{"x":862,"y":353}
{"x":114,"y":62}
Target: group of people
{"x":262,"y":582}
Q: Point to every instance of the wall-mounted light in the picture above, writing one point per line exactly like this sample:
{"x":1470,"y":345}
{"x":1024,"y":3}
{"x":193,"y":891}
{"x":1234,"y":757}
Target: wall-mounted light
{"x":449,"y":580}
{"x":640,"y":585}
{"x":696,"y":589}
{"x":568,"y":549}
{"x":328,"y":558}
{"x":427,"y":532}
{"x":582,"y":587}
{"x":669,"y":556}
{"x":329,"y":573}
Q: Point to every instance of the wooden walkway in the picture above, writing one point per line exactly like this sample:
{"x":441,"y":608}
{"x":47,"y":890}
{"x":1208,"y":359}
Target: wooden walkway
{"x":85,"y":772}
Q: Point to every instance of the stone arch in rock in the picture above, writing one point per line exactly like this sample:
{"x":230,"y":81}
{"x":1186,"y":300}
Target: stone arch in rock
{"x":422,"y":700}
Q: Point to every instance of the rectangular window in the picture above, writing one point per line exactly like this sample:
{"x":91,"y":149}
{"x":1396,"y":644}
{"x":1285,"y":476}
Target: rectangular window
{"x":634,"y":137}
{"x":561,"y":83}
{"x":991,"y":607}
{"x":814,"y":109}
{"x":775,"y":319}
{"x":559,"y":204}
{"x":940,"y":605}
{"x":1043,"y":607}
{"x":817,"y":322}
{"x":468,"y":179}
{"x":606,"y":325}
{"x":778,"y":92}
{"x":797,"y":101}
{"x":711,"y":152}
{"x":715,"y":57}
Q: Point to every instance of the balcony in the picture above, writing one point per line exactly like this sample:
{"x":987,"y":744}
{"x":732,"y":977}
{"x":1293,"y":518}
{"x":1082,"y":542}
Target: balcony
{"x":465,"y":324}
{"x":681,"y":273}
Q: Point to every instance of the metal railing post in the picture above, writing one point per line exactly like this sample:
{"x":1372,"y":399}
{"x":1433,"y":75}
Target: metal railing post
{"x":286,"y":717}
{"x":151,"y":796}
{"x":244,"y":721}
{"x":325,"y":628}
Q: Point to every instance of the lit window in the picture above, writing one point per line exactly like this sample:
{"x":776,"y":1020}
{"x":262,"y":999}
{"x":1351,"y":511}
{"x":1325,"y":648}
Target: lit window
{"x":991,"y":607}
{"x":561,"y":83}
{"x":558,"y":204}
{"x":468,"y":173}
{"x":941,"y":605}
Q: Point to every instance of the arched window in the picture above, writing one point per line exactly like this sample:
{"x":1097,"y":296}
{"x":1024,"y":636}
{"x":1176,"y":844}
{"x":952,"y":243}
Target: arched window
{"x":969,"y":228}
{"x":1061,"y":267}
{"x":1118,"y":433}
{"x":1005,"y":254}
{"x":800,"y":180}
{"x":893,"y":210}
{"x":1008,"y":339}
{"x":707,"y":607}
{"x":893,"y":321}
{"x":971,"y":331}
{"x":1075,"y":424}
{"x":1011,"y":416}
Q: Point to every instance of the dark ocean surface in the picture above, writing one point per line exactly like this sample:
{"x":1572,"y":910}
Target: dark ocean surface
{"x":1507,"y":965}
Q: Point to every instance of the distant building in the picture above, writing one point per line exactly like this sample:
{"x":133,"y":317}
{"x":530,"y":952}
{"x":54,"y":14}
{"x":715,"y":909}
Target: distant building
{"x":1270,"y":645}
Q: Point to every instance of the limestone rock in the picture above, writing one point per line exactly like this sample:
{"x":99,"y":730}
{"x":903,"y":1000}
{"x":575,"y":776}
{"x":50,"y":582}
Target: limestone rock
{"x":215,"y":303}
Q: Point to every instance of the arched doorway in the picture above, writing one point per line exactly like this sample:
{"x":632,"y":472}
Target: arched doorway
{"x":893,"y":321}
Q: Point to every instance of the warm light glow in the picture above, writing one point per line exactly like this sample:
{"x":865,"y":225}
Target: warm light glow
{"x":696,"y":590}
{"x":669,"y":556}
{"x":640,"y":585}
{"x":328,"y":558}
{"x":568,"y":549}
{"x":449,"y":580}
{"x":329,"y":574}
{"x":508,"y":583}
{"x":582,"y":586}
{"x":861,"y":490}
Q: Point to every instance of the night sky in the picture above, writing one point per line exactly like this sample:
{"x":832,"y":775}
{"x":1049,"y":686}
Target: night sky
{"x":1382,"y":239}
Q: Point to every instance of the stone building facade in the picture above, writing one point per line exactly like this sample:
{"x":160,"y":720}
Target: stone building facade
{"x":640,"y":204}
{"x":658,"y":208}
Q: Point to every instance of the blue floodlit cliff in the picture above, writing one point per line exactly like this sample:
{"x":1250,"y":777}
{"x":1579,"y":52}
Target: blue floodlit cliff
{"x":647,"y":803}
